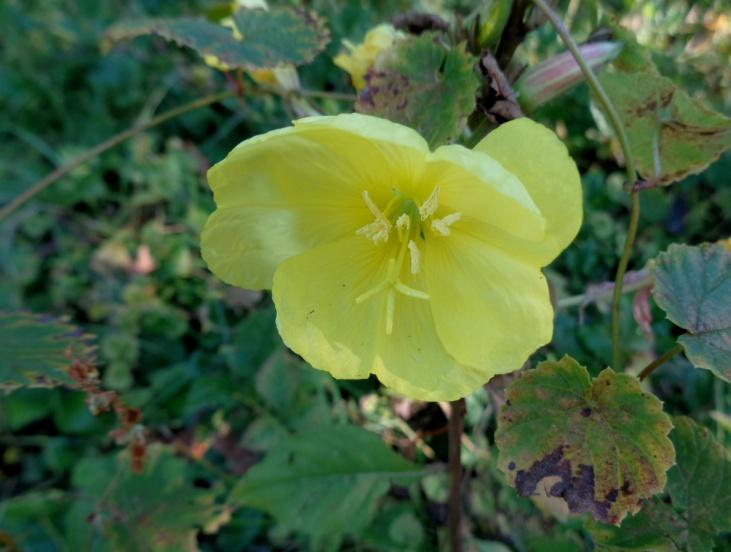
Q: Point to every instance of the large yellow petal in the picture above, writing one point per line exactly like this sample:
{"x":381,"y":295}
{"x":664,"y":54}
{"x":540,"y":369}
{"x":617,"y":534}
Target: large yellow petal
{"x":318,"y":317}
{"x":288,"y":190}
{"x":491,"y":311}
{"x":540,"y":160}
{"x":482,"y":191}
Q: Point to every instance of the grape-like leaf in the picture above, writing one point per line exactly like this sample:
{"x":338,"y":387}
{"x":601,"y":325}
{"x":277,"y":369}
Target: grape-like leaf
{"x":600,"y":445}
{"x":693,"y":287}
{"x":323,"y":482}
{"x":423,"y":84}
{"x":267,"y":38}
{"x":671,"y":134}
{"x":37,"y":350}
{"x":159,"y":510}
{"x":700,"y":489}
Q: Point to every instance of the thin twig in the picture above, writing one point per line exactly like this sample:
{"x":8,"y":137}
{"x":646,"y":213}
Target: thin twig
{"x":614,"y":119}
{"x":89,"y":154}
{"x":456,"y":425}
{"x":589,"y":297}
{"x":659,"y":361}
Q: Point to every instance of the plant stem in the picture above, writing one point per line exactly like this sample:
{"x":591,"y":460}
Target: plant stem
{"x":614,"y":119}
{"x":456,"y":425}
{"x":634,"y":218}
{"x":100,"y":148}
{"x":662,"y":359}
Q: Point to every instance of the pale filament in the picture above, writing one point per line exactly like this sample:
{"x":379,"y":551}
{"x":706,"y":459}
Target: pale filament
{"x":407,"y":227}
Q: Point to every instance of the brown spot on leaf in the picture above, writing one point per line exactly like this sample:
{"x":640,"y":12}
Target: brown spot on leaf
{"x":577,"y":489}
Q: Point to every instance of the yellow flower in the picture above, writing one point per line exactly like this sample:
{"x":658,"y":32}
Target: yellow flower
{"x":384,"y":258}
{"x":284,"y":78}
{"x":359,"y":58}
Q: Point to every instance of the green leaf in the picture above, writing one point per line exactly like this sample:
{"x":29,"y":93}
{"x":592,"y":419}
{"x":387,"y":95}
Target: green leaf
{"x":157,"y":510}
{"x":671,"y":134}
{"x":423,"y":84}
{"x":267,"y":38}
{"x":324,"y":481}
{"x":700,"y":489}
{"x":700,"y":483}
{"x":38,"y":349}
{"x":599,"y":445}
{"x":693,"y":287}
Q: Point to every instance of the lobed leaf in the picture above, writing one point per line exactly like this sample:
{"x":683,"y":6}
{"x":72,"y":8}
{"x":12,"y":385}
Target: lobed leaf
{"x":693,"y":287}
{"x":700,"y":489}
{"x":37,"y":350}
{"x":323,"y":482}
{"x":268,"y":38}
{"x":671,"y":134}
{"x":599,"y":445}
{"x":423,"y":84}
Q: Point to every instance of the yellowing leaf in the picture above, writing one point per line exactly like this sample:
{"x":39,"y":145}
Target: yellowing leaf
{"x":423,"y":84}
{"x":693,"y":287}
{"x":700,"y":489}
{"x":599,"y":445}
{"x":671,"y":134}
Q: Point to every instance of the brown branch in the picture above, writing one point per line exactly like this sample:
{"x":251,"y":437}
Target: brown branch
{"x":456,"y":425}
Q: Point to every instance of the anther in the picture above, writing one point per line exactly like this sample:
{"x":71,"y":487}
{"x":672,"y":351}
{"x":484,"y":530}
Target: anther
{"x":414,"y":256}
{"x":441,"y":226}
{"x":429,"y":207}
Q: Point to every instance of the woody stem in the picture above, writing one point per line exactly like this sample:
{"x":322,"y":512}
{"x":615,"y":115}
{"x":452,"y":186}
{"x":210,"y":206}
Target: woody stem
{"x":456,"y":426}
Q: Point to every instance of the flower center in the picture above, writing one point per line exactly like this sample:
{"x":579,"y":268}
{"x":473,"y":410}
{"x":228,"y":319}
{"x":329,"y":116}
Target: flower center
{"x":411,"y":222}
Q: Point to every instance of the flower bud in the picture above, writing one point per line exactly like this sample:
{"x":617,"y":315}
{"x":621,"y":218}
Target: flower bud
{"x":548,"y":79}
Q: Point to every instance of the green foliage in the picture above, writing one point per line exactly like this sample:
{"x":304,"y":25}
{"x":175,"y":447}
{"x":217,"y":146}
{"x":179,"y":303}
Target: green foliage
{"x":699,"y":486}
{"x":424,"y":84}
{"x":158,"y":510}
{"x":204,"y":362}
{"x":267,"y":38}
{"x":693,"y":287}
{"x":324,"y":481}
{"x":37,"y":350}
{"x":600,"y":445}
{"x":671,"y":134}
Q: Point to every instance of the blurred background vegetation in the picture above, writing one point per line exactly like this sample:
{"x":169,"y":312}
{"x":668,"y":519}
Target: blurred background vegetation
{"x":114,"y":247}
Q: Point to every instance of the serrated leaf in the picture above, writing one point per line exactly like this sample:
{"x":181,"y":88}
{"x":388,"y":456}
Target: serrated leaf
{"x":700,"y":483}
{"x":157,"y":510}
{"x":268,"y":38}
{"x":323,"y":482}
{"x":700,"y":489}
{"x":671,"y":134}
{"x":37,"y":350}
{"x":600,"y":445}
{"x":693,"y":287}
{"x":423,"y":84}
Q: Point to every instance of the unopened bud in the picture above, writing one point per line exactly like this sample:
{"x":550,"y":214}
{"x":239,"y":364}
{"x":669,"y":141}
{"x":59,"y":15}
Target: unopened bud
{"x":556,"y":75}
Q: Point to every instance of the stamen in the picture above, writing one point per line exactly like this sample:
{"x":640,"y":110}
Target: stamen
{"x":403,"y":223}
{"x":390,"y":308}
{"x":371,"y":292}
{"x":411,"y":292}
{"x":375,"y":231}
{"x":414,"y":256}
{"x":372,"y":207}
{"x":441,"y":226}
{"x":429,"y":207}
{"x":378,"y":230}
